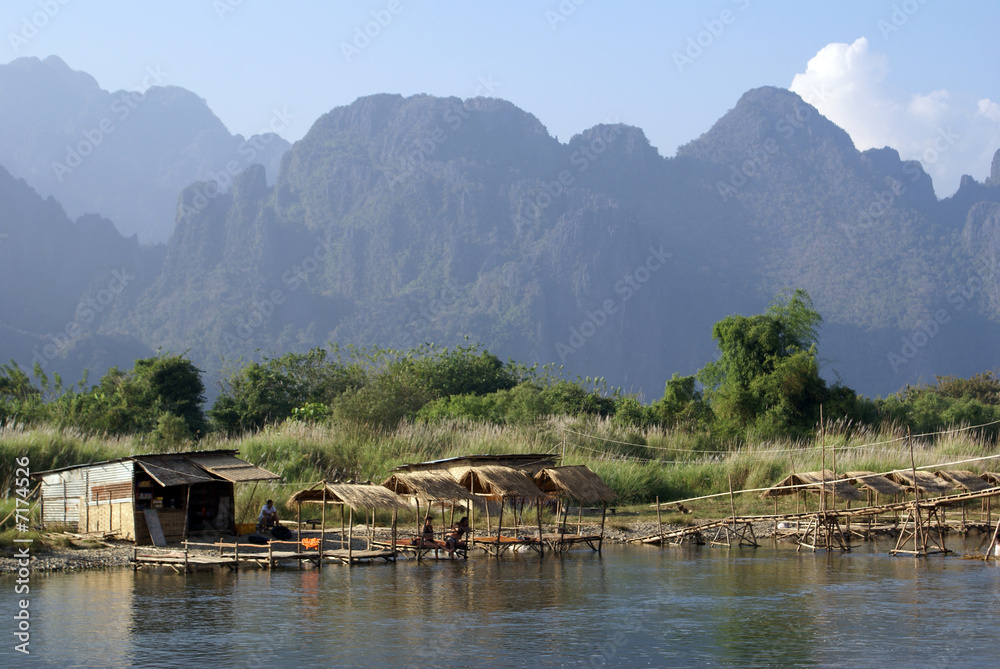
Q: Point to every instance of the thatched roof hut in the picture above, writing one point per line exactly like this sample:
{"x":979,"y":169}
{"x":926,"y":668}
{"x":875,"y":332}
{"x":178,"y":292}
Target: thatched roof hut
{"x":428,"y":486}
{"x":965,"y":479}
{"x":575,"y":482}
{"x":529,"y":463}
{"x":874,"y":482}
{"x":993,"y":478}
{"x":356,"y":496}
{"x":497,"y":482}
{"x":926,"y":482}
{"x":814,"y":482}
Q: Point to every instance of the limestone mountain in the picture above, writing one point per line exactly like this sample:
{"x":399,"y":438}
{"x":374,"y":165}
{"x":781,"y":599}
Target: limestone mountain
{"x":124,"y":155}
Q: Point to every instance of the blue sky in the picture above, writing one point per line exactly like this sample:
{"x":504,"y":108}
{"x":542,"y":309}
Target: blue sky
{"x":916,"y":75}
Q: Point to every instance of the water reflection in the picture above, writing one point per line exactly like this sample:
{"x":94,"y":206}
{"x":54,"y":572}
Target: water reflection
{"x":629,"y":607}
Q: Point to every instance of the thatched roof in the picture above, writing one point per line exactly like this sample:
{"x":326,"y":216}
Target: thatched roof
{"x":576,"y":482}
{"x":355,"y":495}
{"x":965,"y":479}
{"x":429,"y":486}
{"x":496,"y":482}
{"x":926,"y":482}
{"x":873,"y":481}
{"x":813,"y":482}
{"x":992,"y":477}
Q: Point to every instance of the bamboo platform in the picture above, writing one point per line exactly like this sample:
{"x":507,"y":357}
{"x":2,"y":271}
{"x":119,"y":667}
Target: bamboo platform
{"x":497,"y":546}
{"x":234,"y":555}
{"x":420,"y":551}
{"x":560,"y":543}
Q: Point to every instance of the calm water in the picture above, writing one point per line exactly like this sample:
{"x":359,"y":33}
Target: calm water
{"x":632,"y":606}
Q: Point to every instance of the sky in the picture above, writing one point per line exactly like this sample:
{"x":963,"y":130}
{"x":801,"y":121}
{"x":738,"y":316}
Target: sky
{"x":917,"y":75}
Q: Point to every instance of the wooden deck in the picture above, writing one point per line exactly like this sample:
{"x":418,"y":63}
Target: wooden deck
{"x":235,"y":555}
{"x":561,"y":543}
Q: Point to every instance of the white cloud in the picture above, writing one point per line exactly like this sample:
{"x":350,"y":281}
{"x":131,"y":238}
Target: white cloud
{"x":950,"y":133}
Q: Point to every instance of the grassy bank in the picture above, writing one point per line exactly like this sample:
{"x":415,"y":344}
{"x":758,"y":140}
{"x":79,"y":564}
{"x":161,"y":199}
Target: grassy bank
{"x":640,"y":466}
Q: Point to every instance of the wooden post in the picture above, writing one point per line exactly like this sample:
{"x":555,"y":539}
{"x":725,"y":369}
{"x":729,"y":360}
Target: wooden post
{"x":395,"y":514}
{"x":420,"y":535}
{"x":187,"y":510}
{"x":350,"y":533}
{"x":579,"y":521}
{"x":541,"y":544}
{"x":86,"y":498}
{"x":342,"y":526}
{"x":604,"y":515}
{"x":322,"y":528}
{"x":298,"y":519}
{"x":499,"y":525}
{"x":659,"y":520}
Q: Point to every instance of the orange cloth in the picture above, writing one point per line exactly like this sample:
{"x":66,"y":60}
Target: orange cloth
{"x":310,"y":544}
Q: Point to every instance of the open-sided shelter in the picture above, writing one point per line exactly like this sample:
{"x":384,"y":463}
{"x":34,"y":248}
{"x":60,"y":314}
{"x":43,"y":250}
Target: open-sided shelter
{"x":144,"y":498}
{"x":355,"y":497}
{"x":575,"y":483}
{"x":430,"y":487}
{"x":926,"y":482}
{"x":965,"y":480}
{"x":814,"y":482}
{"x":502,"y":484}
{"x":529,"y":463}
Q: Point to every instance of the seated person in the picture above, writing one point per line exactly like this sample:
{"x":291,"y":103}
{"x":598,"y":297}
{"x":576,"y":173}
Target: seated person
{"x":453,"y":539}
{"x":427,"y":534}
{"x":268,"y":516}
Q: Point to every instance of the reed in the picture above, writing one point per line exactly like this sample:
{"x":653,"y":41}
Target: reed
{"x":640,"y":465}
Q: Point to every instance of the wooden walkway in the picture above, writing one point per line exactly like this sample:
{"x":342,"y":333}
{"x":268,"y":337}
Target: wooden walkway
{"x":235,"y":555}
{"x":927,"y":505}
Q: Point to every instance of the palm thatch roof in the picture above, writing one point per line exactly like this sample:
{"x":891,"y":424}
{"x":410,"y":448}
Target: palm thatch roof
{"x":813,"y":482}
{"x":992,"y":477}
{"x":873,"y":481}
{"x":925,"y":482}
{"x":428,"y":486}
{"x":499,"y":482}
{"x":965,"y":479}
{"x":355,"y":495}
{"x":576,"y":482}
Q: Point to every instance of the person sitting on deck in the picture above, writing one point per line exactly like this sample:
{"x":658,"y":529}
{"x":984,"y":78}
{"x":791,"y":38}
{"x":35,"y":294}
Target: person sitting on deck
{"x":453,"y":539}
{"x":268,"y":516}
{"x":427,"y":534}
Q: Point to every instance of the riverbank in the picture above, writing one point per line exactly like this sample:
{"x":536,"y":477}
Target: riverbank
{"x":119,"y":554}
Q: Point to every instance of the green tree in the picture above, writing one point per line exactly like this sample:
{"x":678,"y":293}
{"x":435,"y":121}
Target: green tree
{"x":767,"y":376}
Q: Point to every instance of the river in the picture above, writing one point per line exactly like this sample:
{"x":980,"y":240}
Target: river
{"x":629,"y":607}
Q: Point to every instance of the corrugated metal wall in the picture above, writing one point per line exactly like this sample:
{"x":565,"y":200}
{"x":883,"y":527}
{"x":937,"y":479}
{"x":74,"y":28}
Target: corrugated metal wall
{"x":62,"y":492}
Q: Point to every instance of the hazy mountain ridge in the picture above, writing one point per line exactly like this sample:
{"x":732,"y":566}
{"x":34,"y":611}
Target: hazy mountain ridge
{"x":397,"y":221}
{"x":124,"y":155}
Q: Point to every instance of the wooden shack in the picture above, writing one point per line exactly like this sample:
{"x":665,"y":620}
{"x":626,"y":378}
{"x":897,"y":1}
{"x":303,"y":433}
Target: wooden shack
{"x":144,"y":498}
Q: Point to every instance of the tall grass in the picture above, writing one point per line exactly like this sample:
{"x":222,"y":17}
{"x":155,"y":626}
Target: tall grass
{"x":640,"y":465}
